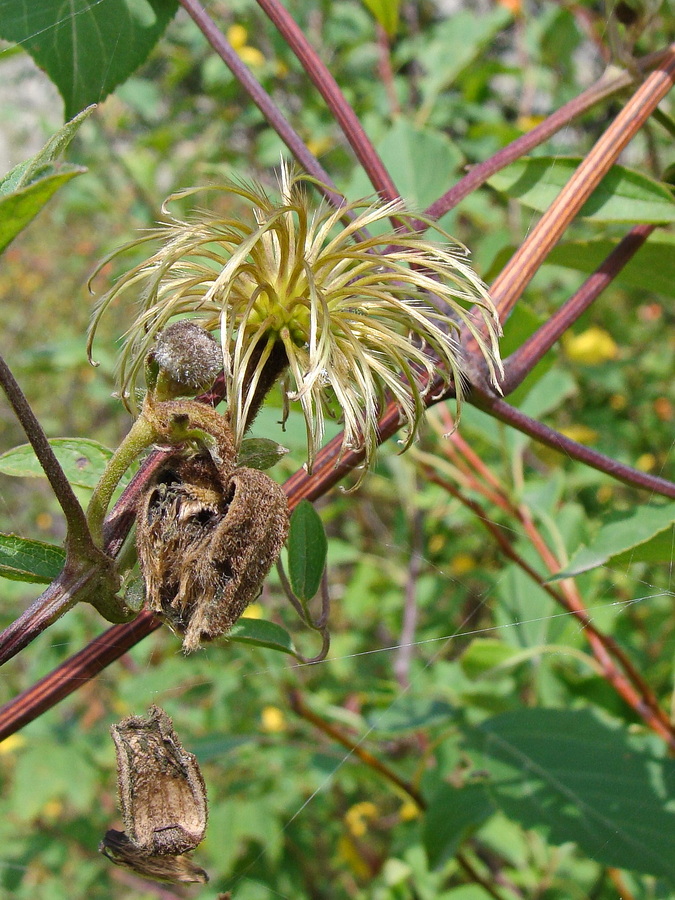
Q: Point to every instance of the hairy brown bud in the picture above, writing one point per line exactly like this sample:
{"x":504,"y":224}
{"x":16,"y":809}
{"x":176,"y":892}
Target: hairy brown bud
{"x":163,"y":800}
{"x":207,"y":537}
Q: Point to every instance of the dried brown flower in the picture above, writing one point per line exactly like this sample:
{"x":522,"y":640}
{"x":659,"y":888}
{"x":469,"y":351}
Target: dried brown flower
{"x":117,"y":847}
{"x":207,"y":535}
{"x":163,"y":800}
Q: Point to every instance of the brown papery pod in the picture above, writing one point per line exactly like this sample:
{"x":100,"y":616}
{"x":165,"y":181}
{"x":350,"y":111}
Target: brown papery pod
{"x":161,"y":789}
{"x":163,"y":801}
{"x":207,"y":538}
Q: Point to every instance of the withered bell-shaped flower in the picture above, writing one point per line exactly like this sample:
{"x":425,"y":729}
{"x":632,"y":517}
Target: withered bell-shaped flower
{"x":163,"y":801}
{"x":351,"y":318}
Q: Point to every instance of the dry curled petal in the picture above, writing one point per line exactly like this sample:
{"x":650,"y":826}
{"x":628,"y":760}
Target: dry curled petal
{"x":117,"y":847}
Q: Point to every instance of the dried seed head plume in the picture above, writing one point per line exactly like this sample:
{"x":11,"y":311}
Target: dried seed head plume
{"x":357,"y":317}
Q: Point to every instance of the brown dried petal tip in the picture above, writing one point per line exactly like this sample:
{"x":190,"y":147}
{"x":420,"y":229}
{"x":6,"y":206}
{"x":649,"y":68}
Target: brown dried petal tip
{"x":163,"y":800}
{"x":117,"y":847}
{"x":206,"y":540}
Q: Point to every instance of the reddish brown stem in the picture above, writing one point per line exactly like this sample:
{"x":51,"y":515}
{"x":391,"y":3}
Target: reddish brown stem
{"x":611,"y":83}
{"x":335,"y":100}
{"x":330,"y":468}
{"x":560,"y":442}
{"x":525,"y":358}
{"x":509,"y":285}
{"x":301,"y":709}
{"x":75,"y":672}
{"x":261,"y":98}
{"x":76,"y":520}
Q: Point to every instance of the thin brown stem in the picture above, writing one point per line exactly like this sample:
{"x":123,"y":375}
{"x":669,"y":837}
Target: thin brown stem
{"x":43,"y":612}
{"x":404,"y":654}
{"x":611,"y":83}
{"x":525,"y":358}
{"x":76,"y":519}
{"x":261,"y":98}
{"x":560,"y":442}
{"x":331,"y":466}
{"x":509,"y":285}
{"x":473,"y":873}
{"x":641,"y":700}
{"x":301,"y":709}
{"x":386,"y":70}
{"x":329,"y":89}
{"x":76,"y":671}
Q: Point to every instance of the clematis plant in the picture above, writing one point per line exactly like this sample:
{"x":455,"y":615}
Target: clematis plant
{"x":341,"y":316}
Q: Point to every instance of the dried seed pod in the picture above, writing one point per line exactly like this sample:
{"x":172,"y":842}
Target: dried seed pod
{"x":206,"y":540}
{"x":117,"y":847}
{"x":161,"y":790}
{"x":163,"y":800}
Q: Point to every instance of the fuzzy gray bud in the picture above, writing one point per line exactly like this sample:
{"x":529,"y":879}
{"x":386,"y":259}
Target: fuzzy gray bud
{"x":188,"y":357}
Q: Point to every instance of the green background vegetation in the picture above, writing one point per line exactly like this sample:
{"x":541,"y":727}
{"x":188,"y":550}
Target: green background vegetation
{"x":527,"y":757}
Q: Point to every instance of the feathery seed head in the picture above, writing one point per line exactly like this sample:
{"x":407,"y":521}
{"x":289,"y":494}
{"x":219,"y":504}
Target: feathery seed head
{"x":354,"y":317}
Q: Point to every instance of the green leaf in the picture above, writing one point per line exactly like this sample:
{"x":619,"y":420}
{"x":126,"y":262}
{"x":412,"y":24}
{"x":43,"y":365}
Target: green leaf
{"x":386,"y":12}
{"x":483,"y":655}
{"x":651,"y":269}
{"x":86,"y":48}
{"x":260,"y":453}
{"x":644,"y":534}
{"x":22,"y":559}
{"x":580,"y":779}
{"x":552,"y":389}
{"x":82,"y":460}
{"x":307,"y":547}
{"x":623,"y":195}
{"x":26,"y":189}
{"x":262,"y":633}
{"x":419,"y":159}
{"x":19,"y":209}
{"x":44,"y":773}
{"x":31,"y":170}
{"x":457,"y":42}
{"x":411,"y":713}
{"x":217,"y":745}
{"x":453,"y":815}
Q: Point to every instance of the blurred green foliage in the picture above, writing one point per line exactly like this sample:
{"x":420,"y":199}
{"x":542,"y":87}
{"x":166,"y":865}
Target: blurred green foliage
{"x":293,"y":814}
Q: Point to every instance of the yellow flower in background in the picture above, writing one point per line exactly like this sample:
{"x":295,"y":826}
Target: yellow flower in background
{"x":580,"y":433}
{"x":618,"y":402}
{"x":253,"y":611}
{"x":409,"y":811}
{"x":273,"y":719}
{"x":357,"y":816}
{"x":237,"y":35}
{"x":12,"y":743}
{"x":646,"y":462}
{"x":354,"y":319}
{"x":462,"y":564}
{"x":591,"y":347}
{"x":349,"y":854}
